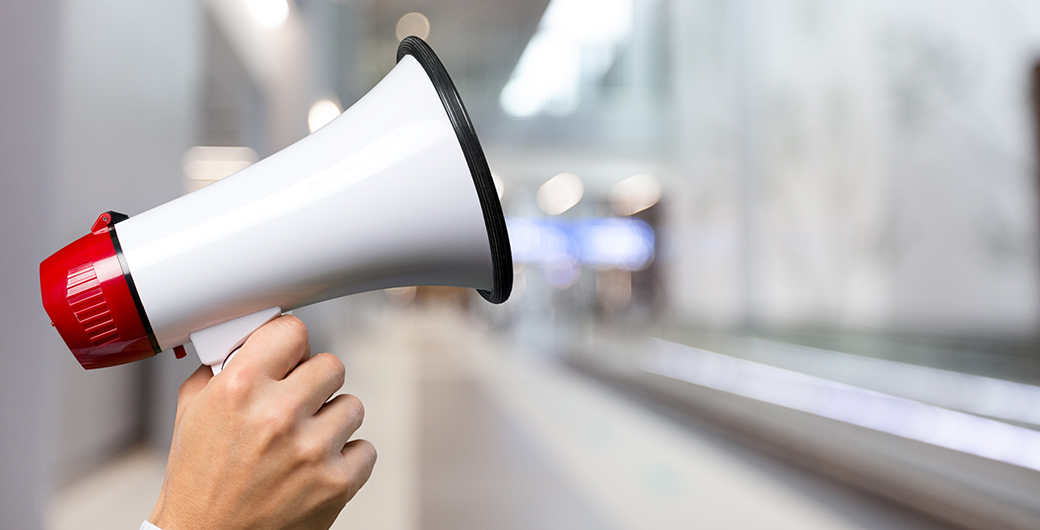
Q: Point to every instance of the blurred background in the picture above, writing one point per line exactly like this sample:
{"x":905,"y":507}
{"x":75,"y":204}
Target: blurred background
{"x":776,"y":263}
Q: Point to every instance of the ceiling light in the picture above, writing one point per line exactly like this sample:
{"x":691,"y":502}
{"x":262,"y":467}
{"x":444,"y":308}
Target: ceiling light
{"x":321,"y":113}
{"x":635,"y":194}
{"x":269,"y":13}
{"x":204,"y":165}
{"x":560,"y":193}
{"x":500,"y":185}
{"x":413,"y":24}
{"x":577,"y":42}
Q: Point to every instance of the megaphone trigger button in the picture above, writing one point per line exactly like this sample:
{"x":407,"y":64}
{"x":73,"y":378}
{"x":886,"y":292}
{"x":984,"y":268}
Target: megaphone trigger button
{"x":179,"y":352}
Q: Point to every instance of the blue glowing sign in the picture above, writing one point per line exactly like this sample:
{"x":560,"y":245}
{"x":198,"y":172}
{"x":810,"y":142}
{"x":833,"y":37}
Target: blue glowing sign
{"x":601,"y":242}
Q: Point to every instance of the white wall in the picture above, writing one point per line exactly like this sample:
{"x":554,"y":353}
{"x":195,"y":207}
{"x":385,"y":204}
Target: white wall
{"x":861,"y":164}
{"x":128,"y":99}
{"x":29,"y":33}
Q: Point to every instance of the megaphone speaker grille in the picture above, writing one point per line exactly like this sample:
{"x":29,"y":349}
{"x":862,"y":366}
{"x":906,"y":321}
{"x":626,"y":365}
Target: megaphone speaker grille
{"x":501,"y":256}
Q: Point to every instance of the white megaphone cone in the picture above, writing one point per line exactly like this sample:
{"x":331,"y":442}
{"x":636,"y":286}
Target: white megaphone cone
{"x":394,"y":192}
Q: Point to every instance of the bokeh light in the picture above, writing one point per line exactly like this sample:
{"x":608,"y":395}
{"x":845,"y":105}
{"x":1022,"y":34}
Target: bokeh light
{"x":269,"y":13}
{"x":560,"y":193}
{"x":204,"y":165}
{"x":413,"y":24}
{"x":500,"y":185}
{"x":322,"y":112}
{"x":635,"y":194}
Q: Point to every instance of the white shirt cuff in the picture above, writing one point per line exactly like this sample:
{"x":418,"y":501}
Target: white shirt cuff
{"x":148,"y":526}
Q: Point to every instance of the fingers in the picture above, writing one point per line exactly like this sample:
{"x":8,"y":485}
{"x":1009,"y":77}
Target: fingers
{"x":192,"y":386}
{"x":274,"y":349}
{"x":339,"y":419}
{"x":359,"y":457}
{"x":314,"y":381}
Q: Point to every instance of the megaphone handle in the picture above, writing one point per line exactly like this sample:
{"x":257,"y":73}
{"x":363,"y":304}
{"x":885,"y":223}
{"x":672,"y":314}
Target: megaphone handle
{"x":217,"y":368}
{"x":216,"y":345}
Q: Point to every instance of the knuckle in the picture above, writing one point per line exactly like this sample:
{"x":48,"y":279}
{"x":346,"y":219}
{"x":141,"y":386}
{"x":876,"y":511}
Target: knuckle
{"x":369,"y":449}
{"x":293,"y":328}
{"x":332,"y":365}
{"x":339,"y":482}
{"x":275,"y":422}
{"x":357,"y":408}
{"x":311,"y":450}
{"x":235,"y":385}
{"x":346,"y":480}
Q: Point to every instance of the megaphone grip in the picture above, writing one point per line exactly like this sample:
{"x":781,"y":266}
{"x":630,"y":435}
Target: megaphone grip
{"x":216,"y":344}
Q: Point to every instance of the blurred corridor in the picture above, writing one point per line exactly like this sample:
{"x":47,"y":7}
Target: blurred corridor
{"x":775,"y":264}
{"x":473,"y":434}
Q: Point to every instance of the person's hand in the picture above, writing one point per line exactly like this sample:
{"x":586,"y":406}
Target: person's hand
{"x":258,"y":447}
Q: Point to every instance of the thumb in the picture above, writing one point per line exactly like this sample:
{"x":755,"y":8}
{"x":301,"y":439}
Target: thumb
{"x":192,"y":386}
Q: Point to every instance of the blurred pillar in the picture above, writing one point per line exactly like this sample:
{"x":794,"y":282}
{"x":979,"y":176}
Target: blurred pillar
{"x":29,"y":37}
{"x":710,"y":267}
{"x":1034,"y":97}
{"x":749,"y":40}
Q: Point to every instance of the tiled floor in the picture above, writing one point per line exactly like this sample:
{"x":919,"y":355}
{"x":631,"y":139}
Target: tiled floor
{"x":473,"y":434}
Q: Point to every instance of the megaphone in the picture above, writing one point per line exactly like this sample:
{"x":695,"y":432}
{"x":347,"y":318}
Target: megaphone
{"x":394,"y":192}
